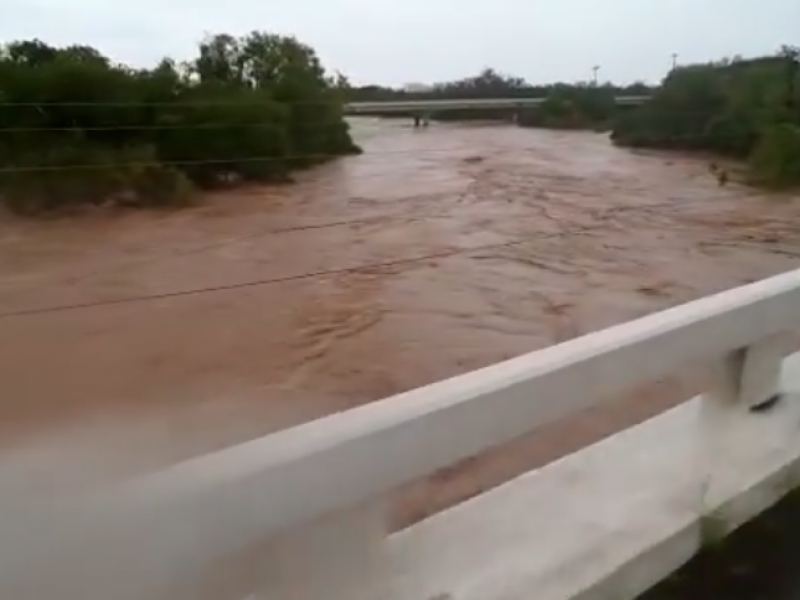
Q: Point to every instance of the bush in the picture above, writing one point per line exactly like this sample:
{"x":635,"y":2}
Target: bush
{"x":775,"y":161}
{"x":573,"y":107}
{"x":76,"y":129}
{"x":742,"y":108}
{"x":76,"y":174}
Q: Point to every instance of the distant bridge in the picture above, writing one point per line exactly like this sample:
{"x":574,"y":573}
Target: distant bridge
{"x":422,"y":106}
{"x":422,"y":109}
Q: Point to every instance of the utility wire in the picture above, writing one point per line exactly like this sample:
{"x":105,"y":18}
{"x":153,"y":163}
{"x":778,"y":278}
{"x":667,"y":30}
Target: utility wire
{"x":161,"y":127}
{"x":184,"y":103}
{"x":223,"y":125}
{"x":260,"y":282}
{"x":287,"y":157}
{"x":318,"y":273}
{"x":261,"y":102}
{"x":233,"y":241}
{"x":272,"y":231}
{"x":297,"y":157}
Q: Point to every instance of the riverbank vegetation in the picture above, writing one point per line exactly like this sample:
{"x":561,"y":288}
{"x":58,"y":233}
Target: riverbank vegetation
{"x":747,"y":109}
{"x":77,"y":128}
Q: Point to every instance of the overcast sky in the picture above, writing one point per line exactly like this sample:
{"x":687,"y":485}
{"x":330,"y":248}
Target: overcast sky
{"x":402,"y":41}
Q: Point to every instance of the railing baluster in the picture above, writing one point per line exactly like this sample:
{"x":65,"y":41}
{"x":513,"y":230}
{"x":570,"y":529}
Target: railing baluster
{"x":745,"y":381}
{"x":760,"y":372}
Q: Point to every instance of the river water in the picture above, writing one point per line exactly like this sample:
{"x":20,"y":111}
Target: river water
{"x":435,"y":252}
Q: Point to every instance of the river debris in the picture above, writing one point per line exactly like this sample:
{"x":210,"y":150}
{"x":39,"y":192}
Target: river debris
{"x":720,"y":173}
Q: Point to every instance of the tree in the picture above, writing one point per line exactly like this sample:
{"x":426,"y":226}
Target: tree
{"x":744,"y":108}
{"x":75,"y":128}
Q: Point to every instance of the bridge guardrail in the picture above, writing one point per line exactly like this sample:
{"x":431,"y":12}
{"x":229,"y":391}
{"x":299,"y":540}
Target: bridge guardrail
{"x":312,"y":495}
{"x":465,"y":103}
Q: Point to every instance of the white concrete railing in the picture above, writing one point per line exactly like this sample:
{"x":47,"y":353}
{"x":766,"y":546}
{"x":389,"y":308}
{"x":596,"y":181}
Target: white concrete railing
{"x":465,"y":103}
{"x":298,"y":515}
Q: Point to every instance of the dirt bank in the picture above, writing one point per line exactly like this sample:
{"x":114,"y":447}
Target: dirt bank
{"x":567,"y":233}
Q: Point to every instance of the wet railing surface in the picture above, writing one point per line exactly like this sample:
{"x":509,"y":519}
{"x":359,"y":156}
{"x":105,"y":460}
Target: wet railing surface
{"x":301,"y":514}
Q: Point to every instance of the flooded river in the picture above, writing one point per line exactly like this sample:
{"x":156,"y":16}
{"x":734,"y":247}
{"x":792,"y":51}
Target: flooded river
{"x":436,"y":252}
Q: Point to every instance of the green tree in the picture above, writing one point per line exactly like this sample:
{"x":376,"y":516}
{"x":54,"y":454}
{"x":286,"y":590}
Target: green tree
{"x":743,"y":108}
{"x":76,"y":128}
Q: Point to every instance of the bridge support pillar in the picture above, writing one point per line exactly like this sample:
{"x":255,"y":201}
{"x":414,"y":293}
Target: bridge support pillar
{"x":422,"y":119}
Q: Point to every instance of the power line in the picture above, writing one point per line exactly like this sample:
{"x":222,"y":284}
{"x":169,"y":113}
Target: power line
{"x":279,"y":230}
{"x":260,"y":282}
{"x":294,"y":157}
{"x":312,"y":226}
{"x":166,"y":103}
{"x":140,"y":164}
{"x":322,"y":272}
{"x":231,"y":241}
{"x":223,"y":125}
{"x":268,"y":231}
{"x":159,"y":127}
{"x":200,"y":104}
{"x":238,"y":240}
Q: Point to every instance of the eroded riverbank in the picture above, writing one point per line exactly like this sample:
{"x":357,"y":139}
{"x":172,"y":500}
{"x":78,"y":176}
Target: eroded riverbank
{"x":434,"y":253}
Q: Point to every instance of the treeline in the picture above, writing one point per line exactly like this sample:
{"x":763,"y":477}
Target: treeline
{"x":76,"y":128}
{"x":579,"y":105}
{"x":747,"y":109}
{"x":487,"y":84}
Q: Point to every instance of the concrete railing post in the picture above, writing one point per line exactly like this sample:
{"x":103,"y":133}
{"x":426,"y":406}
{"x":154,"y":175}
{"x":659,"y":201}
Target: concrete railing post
{"x":339,"y":557}
{"x":745,"y":382}
{"x":759,"y":377}
{"x":749,"y":377}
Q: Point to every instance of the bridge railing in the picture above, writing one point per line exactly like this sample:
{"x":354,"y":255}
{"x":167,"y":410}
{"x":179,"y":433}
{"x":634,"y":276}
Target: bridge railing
{"x":300,"y":514}
{"x":462,"y":103}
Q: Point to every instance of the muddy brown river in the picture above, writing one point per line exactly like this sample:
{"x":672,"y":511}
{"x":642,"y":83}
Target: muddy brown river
{"x":436,"y":252}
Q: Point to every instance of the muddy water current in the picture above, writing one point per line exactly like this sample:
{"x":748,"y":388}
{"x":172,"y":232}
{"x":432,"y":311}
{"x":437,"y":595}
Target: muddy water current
{"x":435,"y":252}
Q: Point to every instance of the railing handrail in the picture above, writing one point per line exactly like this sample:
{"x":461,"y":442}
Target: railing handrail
{"x":363,"y":452}
{"x":254,"y":491}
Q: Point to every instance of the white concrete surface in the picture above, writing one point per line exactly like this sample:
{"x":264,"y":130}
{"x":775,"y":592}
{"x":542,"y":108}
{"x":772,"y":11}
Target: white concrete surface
{"x":610,"y":520}
{"x":572,"y":529}
{"x":431,"y":105}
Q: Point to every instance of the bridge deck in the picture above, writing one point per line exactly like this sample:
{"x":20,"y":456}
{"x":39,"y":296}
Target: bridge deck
{"x":462,"y":104}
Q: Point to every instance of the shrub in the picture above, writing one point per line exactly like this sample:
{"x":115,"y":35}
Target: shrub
{"x":743,"y":108}
{"x":77,"y":129}
{"x":775,"y":161}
